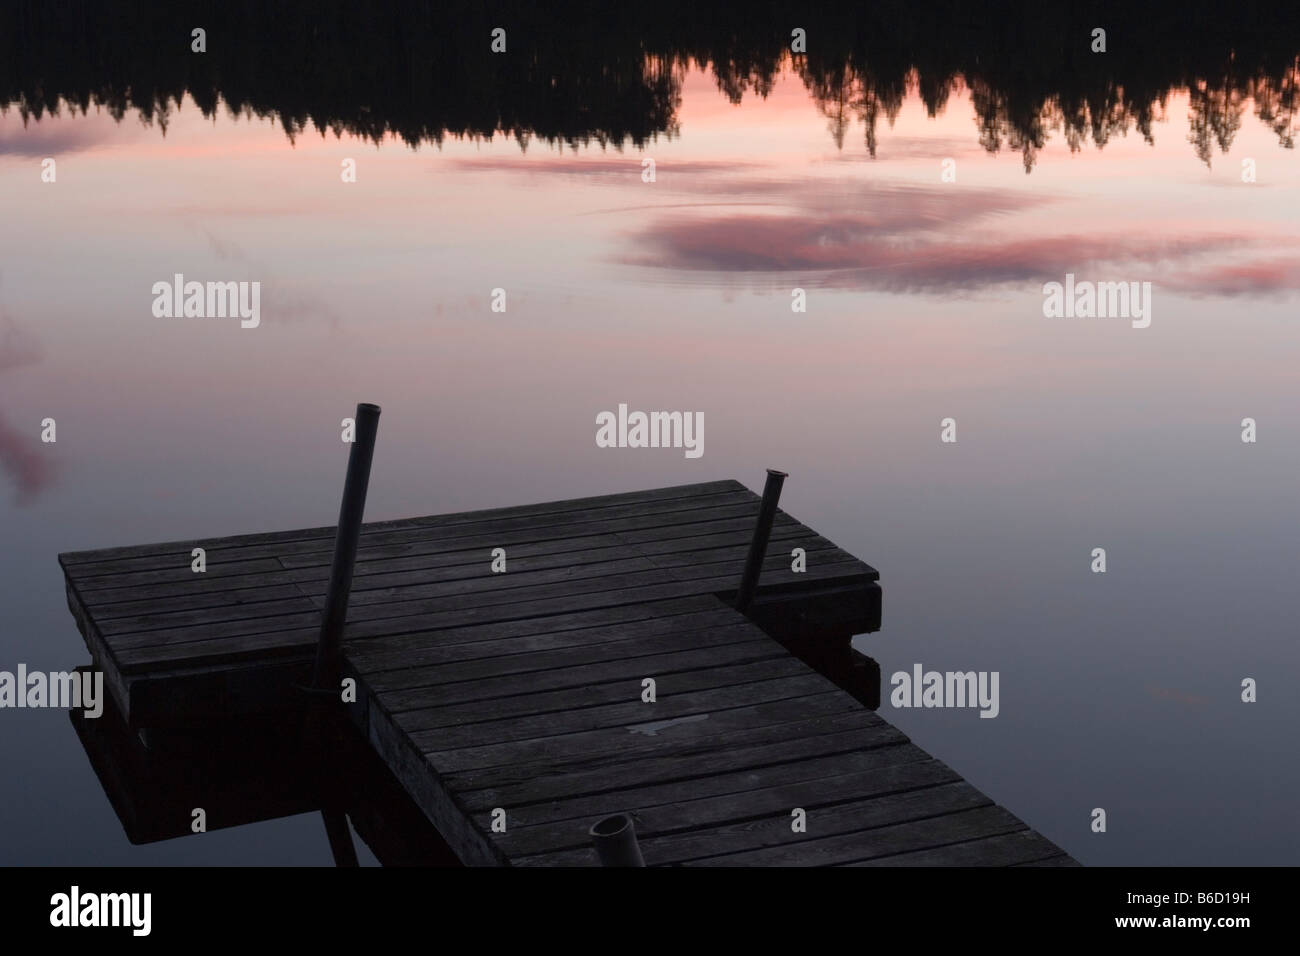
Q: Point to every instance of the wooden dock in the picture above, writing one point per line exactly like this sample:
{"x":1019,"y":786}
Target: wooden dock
{"x":515,"y":699}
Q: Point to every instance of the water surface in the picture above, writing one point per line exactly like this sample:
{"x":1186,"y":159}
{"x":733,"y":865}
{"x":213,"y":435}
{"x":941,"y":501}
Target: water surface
{"x":924,"y":301}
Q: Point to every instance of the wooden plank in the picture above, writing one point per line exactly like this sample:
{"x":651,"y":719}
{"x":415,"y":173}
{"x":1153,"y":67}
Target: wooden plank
{"x":312,"y":580}
{"x":767,"y":796}
{"x":495,"y":679}
{"x":561,"y":652}
{"x":787,"y":677}
{"x":876,"y":748}
{"x":179,"y":579}
{"x":1024,"y":847}
{"x":413,"y":584}
{"x":192,"y":599}
{"x":863,"y":831}
{"x":443,"y":645}
{"x":568,"y":594}
{"x":482,"y":584}
{"x":470,"y":843}
{"x":763,"y":661}
{"x":234,"y":640}
{"x":624,"y":531}
{"x":73,"y":558}
{"x":416,"y":631}
{"x":576,"y":751}
{"x":765,"y":745}
{"x":846,"y":830}
{"x":411,"y":533}
{"x":238,"y":574}
{"x":201,"y":591}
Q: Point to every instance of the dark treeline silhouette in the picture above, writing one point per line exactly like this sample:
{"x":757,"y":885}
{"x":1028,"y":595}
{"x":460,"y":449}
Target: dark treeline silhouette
{"x":577,"y":73}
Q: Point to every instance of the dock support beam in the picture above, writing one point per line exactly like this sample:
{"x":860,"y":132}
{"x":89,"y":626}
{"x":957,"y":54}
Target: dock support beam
{"x":758,"y":545}
{"x":615,"y":839}
{"x":328,"y":650}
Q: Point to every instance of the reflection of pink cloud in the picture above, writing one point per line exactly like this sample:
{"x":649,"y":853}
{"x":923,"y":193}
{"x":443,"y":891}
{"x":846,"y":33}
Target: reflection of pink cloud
{"x":908,"y":238}
{"x":21,"y":455}
{"x":1273,"y":277}
{"x":892,"y":248}
{"x":51,"y":140}
{"x":69,"y":131}
{"x":573,"y":166}
{"x":22,"y":458}
{"x":16,"y":347}
{"x":885,"y":206}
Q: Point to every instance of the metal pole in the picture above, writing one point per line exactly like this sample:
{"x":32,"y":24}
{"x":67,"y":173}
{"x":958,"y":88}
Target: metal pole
{"x":345,"y":547}
{"x":758,"y":545}
{"x":615,"y":839}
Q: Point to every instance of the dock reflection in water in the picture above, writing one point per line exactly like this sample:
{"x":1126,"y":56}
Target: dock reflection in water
{"x":251,"y":770}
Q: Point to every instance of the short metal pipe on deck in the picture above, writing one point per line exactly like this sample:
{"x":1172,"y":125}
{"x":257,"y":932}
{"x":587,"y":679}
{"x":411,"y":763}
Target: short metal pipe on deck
{"x":758,"y":545}
{"x":615,"y":839}
{"x":328,"y":650}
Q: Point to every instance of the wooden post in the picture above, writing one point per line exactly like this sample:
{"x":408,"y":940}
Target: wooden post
{"x":325,"y":674}
{"x":355,"y":485}
{"x":615,"y":839}
{"x":758,"y":545}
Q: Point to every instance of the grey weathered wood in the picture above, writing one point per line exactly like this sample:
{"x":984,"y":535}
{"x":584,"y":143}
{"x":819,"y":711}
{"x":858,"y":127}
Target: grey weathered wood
{"x":1022,"y":848}
{"x":522,"y":690}
{"x":786,"y":678}
{"x":641,"y":739}
{"x":241,"y":639}
{"x":501,"y":639}
{"x":552,"y":654}
{"x":327,"y":532}
{"x":757,"y":667}
{"x":837,"y":734}
{"x":871,"y":748}
{"x":676,"y":667}
{"x":152,"y":590}
{"x":857,"y":832}
{"x":402,"y":536}
{"x":769,"y":796}
{"x":202,"y":600}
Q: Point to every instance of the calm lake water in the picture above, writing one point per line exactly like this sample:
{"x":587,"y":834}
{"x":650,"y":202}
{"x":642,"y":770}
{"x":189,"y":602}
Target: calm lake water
{"x":924,"y":301}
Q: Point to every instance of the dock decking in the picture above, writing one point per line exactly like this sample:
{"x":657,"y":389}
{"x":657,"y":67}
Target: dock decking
{"x":521,"y":692}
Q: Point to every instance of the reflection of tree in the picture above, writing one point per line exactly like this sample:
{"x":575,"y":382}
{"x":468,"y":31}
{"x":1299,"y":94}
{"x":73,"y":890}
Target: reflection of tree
{"x":1276,"y":105}
{"x":1214,"y":116}
{"x":577,"y":74}
{"x":847,"y":95}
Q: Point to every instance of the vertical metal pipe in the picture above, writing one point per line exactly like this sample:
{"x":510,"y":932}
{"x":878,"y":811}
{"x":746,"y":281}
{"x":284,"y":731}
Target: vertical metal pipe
{"x":615,"y":839}
{"x":758,"y":545}
{"x":345,"y":547}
